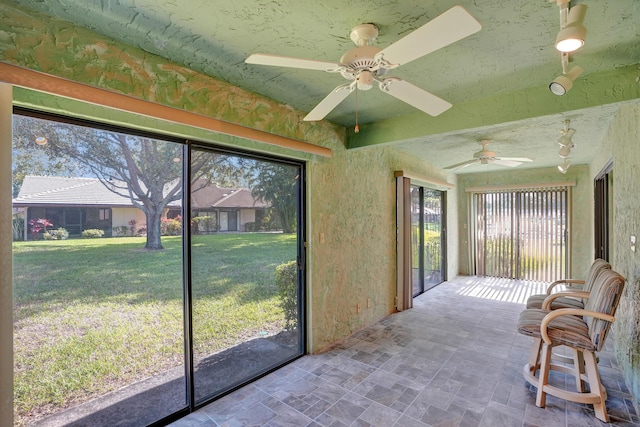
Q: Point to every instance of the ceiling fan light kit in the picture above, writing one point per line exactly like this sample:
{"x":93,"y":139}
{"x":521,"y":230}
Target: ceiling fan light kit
{"x":366,"y":64}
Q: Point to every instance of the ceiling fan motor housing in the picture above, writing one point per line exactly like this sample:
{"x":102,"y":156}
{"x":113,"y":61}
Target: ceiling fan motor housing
{"x":362,"y":61}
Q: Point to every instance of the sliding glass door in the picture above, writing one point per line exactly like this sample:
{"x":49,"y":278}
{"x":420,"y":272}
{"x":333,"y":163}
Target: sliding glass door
{"x":244,"y":278}
{"x":522,"y":234}
{"x":602,"y":192}
{"x":151,"y":275}
{"x":427,"y":238}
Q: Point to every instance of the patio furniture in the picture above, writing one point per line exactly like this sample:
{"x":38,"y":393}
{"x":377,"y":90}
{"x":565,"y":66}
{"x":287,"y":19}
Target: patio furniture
{"x":583,"y":331}
{"x":536,"y":301}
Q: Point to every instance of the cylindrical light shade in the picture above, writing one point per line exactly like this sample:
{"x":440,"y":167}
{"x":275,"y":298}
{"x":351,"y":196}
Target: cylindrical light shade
{"x":562,"y":84}
{"x":564,"y":152}
{"x":564,"y":166}
{"x":565,"y":139}
{"x":573,"y":35}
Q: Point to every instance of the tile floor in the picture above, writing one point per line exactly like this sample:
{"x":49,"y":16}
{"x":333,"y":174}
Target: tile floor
{"x":455,"y":359}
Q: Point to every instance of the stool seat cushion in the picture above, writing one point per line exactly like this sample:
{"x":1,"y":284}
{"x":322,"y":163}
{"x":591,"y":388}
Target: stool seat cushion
{"x":563,"y":330}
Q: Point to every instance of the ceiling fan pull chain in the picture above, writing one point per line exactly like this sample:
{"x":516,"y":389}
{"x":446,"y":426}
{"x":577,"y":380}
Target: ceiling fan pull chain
{"x":357,"y":128}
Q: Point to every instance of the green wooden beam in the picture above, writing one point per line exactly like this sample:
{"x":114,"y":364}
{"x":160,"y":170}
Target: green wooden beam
{"x":588,"y":91}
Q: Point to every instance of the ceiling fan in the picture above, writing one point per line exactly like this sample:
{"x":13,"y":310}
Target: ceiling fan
{"x":366,"y":64}
{"x":486,"y":156}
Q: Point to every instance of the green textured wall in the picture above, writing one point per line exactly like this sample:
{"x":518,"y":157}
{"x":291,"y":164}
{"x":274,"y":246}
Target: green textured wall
{"x":582,"y":207}
{"x":352,"y":203}
{"x":351,"y":196}
{"x":622,"y":144}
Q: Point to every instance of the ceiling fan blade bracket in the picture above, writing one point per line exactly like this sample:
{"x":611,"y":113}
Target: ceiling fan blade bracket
{"x":341,"y":69}
{"x":382,"y":63}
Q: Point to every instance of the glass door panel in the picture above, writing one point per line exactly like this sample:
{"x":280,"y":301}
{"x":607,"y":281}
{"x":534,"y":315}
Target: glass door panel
{"x":245,"y":286}
{"x":433,"y":238}
{"x":417,"y":241}
{"x":427,"y":238}
{"x":98,"y":320}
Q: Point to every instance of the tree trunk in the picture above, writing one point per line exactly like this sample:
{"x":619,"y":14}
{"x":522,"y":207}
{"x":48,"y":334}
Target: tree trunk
{"x":153,"y":230}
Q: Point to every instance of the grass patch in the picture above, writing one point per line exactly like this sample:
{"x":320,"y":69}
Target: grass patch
{"x":92,"y":315}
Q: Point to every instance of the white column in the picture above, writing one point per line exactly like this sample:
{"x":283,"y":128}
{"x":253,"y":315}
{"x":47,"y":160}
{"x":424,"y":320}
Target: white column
{"x":6,"y":285}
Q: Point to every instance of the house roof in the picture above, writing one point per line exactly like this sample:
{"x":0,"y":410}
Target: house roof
{"x":54,"y":190}
{"x":212,"y":196}
{"x":63,"y":191}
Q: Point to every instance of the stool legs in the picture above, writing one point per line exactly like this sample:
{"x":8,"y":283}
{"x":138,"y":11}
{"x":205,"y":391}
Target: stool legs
{"x":585,"y":364}
{"x":543,"y":379}
{"x":591,"y":366}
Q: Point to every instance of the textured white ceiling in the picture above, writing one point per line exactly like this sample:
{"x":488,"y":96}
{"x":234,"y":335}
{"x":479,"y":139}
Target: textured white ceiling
{"x":512,"y":52}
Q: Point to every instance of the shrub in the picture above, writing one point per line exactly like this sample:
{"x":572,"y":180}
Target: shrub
{"x":121,"y":230}
{"x":92,"y":233}
{"x":204,"y":224}
{"x":132,"y":226}
{"x":287,"y":284}
{"x":37,"y":226}
{"x":59,"y":234}
{"x":18,"y":229}
{"x":171,"y":226}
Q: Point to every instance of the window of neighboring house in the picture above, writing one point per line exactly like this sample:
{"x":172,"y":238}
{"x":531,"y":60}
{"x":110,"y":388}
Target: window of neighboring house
{"x":104,"y":214}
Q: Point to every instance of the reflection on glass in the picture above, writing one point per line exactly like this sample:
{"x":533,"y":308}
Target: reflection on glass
{"x":97,"y":258}
{"x":245,"y":284}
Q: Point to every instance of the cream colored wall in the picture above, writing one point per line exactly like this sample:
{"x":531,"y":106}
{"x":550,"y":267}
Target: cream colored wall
{"x":582,"y":208}
{"x":122,"y":216}
{"x":246,"y":215}
{"x":622,"y":144}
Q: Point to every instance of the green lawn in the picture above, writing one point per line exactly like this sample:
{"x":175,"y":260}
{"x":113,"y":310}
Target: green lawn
{"x":92,"y":315}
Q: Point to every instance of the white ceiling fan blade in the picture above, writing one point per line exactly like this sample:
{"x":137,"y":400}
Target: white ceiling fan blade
{"x":462,"y":164}
{"x":453,"y":25}
{"x":505,"y":162}
{"x":285,"y":61}
{"x":414,"y":96}
{"x":330,"y":102}
{"x":516,"y":159}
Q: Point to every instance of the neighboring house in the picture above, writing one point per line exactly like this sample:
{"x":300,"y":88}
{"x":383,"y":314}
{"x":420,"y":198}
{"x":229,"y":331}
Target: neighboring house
{"x":232,"y":208}
{"x":78,"y":204}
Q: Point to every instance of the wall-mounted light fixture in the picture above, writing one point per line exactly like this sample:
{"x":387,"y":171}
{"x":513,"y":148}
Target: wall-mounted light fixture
{"x":572,"y":32}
